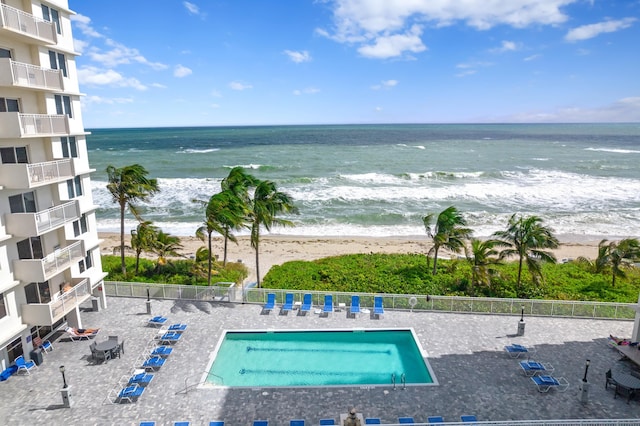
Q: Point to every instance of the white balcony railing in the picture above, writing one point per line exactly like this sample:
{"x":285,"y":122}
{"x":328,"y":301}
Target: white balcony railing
{"x":40,"y":270}
{"x":26,"y":24}
{"x":25,"y":176}
{"x":30,"y":224}
{"x":43,"y":124}
{"x":19,"y":74}
{"x":49,"y":313}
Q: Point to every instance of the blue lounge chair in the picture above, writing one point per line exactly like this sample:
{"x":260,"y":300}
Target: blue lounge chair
{"x":544,"y":383}
{"x":469,"y":418}
{"x":532,"y":368}
{"x":271,"y":303}
{"x":169,"y":337}
{"x":157,"y":321}
{"x":306,"y":304}
{"x":288,"y":303}
{"x":147,"y":424}
{"x":181,"y":423}
{"x":354,"y":309}
{"x":178,"y":328}
{"x":24,"y":366}
{"x":328,"y":304}
{"x":163,"y":351}
{"x":261,"y":423}
{"x":216,"y":423}
{"x":515,"y":350}
{"x":378,"y":309}
{"x":372,"y":421}
{"x":141,"y":379}
{"x":435,"y":419}
{"x":406,"y":420}
{"x":327,"y":421}
{"x":130,"y":393}
{"x":46,"y":346}
{"x":154,"y":363}
{"x":296,"y":423}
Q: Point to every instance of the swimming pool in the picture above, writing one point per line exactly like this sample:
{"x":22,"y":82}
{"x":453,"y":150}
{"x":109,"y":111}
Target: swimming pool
{"x":372,"y":357}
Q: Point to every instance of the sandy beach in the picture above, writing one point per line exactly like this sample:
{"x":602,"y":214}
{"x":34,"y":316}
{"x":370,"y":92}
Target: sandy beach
{"x":277,"y":249}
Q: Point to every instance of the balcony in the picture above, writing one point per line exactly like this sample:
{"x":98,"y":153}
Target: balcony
{"x":17,"y":125}
{"x":40,"y":270}
{"x":25,"y":25}
{"x":32,"y":224}
{"x":26,"y":176}
{"x":49,"y":313}
{"x":18,"y":74}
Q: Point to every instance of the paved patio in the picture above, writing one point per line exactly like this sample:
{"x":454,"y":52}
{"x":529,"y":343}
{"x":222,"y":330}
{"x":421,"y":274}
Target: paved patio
{"x":465,"y":351}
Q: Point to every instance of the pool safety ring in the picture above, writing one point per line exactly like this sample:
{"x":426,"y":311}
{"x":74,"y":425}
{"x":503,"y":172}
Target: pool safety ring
{"x":413,"y":301}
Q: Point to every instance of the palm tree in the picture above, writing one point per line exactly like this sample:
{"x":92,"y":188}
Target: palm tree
{"x":127,"y":186}
{"x":527,"y":238}
{"x":267,"y":203}
{"x":142,"y":239}
{"x":448,"y":232}
{"x":617,"y":256}
{"x":165,"y":245}
{"x":482,"y":254}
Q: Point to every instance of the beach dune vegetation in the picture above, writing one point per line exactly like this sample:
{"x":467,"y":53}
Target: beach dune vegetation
{"x":614,"y":257}
{"x":143,"y":239}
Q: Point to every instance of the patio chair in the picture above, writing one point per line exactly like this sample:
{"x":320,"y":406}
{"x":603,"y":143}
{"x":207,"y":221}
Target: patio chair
{"x":372,"y":421}
{"x":178,"y":328}
{"x":532,"y":368}
{"x":354,"y":309}
{"x":544,"y":383}
{"x":141,"y":379}
{"x":435,"y":419}
{"x":609,"y":380}
{"x":468,"y":418}
{"x":328,"y":304}
{"x":288,"y":304}
{"x":306,"y":304}
{"x":157,"y":321}
{"x":216,"y":423}
{"x":113,"y":338}
{"x":153,"y":363}
{"x":378,"y":309}
{"x":101,"y":355}
{"x":261,"y":423}
{"x":130,"y":393}
{"x":147,"y":424}
{"x":81,"y":333}
{"x":24,"y":366}
{"x":296,"y":423}
{"x":271,"y":303}
{"x":170,"y":337}
{"x":181,"y":423}
{"x":46,"y":346}
{"x":515,"y":350}
{"x":406,"y":420}
{"x":327,"y":422}
{"x":162,"y":351}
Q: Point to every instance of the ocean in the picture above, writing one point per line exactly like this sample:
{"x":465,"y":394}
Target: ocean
{"x":583,"y":180}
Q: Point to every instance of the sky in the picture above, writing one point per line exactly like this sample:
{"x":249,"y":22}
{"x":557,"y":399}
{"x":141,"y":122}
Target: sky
{"x":146,"y":63}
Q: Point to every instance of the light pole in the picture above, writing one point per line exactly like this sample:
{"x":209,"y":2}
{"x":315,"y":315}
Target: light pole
{"x":584,"y":386}
{"x":64,"y":379}
{"x":65,"y":392}
{"x":521,"y":323}
{"x":586,"y":369}
{"x":522,"y":313}
{"x":148,"y":302}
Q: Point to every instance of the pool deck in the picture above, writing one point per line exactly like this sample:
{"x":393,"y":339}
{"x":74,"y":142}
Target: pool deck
{"x":466,"y":352}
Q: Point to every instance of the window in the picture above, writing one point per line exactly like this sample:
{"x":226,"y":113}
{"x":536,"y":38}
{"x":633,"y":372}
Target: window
{"x":9,"y":105}
{"x":51,"y":15}
{"x":80,"y":226}
{"x":5,"y":53}
{"x":58,"y":62}
{"x":63,"y":105}
{"x":3,"y":307}
{"x":38,"y":292}
{"x":69,"y":147}
{"x":12,"y":155}
{"x":31,"y":248}
{"x":74,"y":187}
{"x":23,"y":203}
{"x":86,"y":263}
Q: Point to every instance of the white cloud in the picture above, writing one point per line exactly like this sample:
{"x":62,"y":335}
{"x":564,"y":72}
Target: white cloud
{"x":586,"y":32}
{"x":506,"y":46}
{"x":466,"y":73}
{"x":120,"y":55}
{"x":181,"y":71}
{"x":83,"y":23}
{"x":158,"y":86}
{"x":192,"y":8}
{"x":621,"y":111}
{"x":93,"y":76}
{"x":307,"y":91}
{"x":215,"y":106}
{"x":532,"y":57}
{"x":89,"y":100}
{"x":373,"y":25}
{"x":237,"y":85}
{"x":385,"y":84}
{"x":216,"y":93}
{"x":470,"y":68}
{"x":298,"y":57}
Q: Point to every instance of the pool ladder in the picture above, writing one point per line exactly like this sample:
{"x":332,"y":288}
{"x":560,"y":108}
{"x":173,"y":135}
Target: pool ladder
{"x":403,"y":380}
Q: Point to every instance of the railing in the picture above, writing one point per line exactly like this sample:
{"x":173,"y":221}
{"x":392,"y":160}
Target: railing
{"x":37,"y":77}
{"x":56,"y":216}
{"x":61,"y":259}
{"x":44,"y":124}
{"x":472,"y":305}
{"x":26,"y":23}
{"x":50,"y":170}
{"x":49,"y":313}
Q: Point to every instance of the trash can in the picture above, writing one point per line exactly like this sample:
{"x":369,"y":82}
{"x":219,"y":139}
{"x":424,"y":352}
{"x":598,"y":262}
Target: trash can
{"x":95,"y":304}
{"x":36,"y":356}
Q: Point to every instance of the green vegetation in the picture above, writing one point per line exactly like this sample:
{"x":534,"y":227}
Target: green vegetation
{"x":409,"y":274}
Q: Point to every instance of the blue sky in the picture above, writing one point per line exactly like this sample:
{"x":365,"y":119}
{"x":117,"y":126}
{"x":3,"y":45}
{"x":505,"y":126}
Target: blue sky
{"x":146,"y":63}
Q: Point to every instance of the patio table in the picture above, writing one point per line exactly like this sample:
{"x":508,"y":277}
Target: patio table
{"x":628,"y":382}
{"x":107,"y":346}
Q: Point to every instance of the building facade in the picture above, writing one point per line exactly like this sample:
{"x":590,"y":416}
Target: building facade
{"x":49,"y":246}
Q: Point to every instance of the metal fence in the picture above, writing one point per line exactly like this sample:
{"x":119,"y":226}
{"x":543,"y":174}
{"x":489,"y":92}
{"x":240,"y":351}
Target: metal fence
{"x":228,"y":292}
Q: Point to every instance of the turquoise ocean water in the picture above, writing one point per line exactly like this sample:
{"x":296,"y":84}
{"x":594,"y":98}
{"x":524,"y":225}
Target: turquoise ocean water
{"x":380,"y":180}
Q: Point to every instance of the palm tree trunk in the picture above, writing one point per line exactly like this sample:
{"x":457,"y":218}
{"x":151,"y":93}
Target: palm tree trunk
{"x":226,"y":240}
{"x":210,"y":255}
{"x":257,"y":266}
{"x":519,"y":275}
{"x":435,"y":261}
{"x":124,"y":266}
{"x":137,"y":261}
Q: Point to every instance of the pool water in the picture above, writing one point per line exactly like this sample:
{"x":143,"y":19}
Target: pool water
{"x":318,"y":358}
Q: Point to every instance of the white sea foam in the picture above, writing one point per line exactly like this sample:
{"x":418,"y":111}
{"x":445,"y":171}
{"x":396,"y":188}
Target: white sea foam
{"x":197,"y":151}
{"x":616,"y":151}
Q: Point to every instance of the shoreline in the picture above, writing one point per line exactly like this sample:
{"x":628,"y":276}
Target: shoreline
{"x":278,"y":249}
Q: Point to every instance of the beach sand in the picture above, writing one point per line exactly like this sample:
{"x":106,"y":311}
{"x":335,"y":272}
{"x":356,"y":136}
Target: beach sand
{"x":277,"y":249}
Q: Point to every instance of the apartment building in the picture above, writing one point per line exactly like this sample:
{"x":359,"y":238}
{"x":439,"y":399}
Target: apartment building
{"x":49,"y":246}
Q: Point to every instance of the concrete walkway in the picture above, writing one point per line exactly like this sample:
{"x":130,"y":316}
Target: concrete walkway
{"x":466,"y":352}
